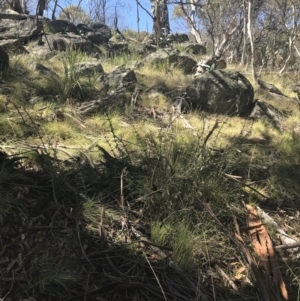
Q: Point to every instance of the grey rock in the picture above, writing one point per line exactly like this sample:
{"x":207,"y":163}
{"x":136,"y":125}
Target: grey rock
{"x":59,"y":43}
{"x":97,"y":33}
{"x":100,"y":35}
{"x":262,"y":109}
{"x":13,"y":46}
{"x":144,"y":49}
{"x":12,"y":15}
{"x":88,"y":68}
{"x":119,"y":78}
{"x":40,"y":68}
{"x":172,"y":58}
{"x":209,"y":64}
{"x":192,"y":48}
{"x":16,"y":32}
{"x":161,"y":56}
{"x":295,"y":89}
{"x":42,"y":53}
{"x":83,"y":28}
{"x":184,"y":62}
{"x":269,"y":87}
{"x":178,"y":37}
{"x":63,"y":42}
{"x":83,"y":45}
{"x":222,"y":92}
{"x":116,"y":48}
{"x":60,"y":26}
{"x":22,"y":30}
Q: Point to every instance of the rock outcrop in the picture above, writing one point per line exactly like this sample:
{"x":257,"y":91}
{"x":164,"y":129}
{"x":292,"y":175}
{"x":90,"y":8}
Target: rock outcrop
{"x":209,"y":64}
{"x":265,"y":110}
{"x":222,"y":92}
{"x":192,"y":48}
{"x":213,"y":90}
{"x":172,"y":58}
{"x":21,"y":30}
{"x":42,"y":37}
{"x":88,"y":68}
{"x":120,"y":78}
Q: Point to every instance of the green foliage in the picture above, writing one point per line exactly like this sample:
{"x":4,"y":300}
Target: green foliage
{"x":74,"y":14}
{"x":10,"y":129}
{"x":51,"y":281}
{"x":177,"y":12}
{"x":157,"y":176}
{"x":70,"y":85}
{"x":177,"y":234}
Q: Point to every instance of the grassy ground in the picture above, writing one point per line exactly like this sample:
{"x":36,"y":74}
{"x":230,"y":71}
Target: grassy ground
{"x":120,"y":205}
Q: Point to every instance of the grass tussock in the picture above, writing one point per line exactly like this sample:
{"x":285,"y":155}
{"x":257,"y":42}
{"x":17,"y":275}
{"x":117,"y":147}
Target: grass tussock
{"x":136,"y":194}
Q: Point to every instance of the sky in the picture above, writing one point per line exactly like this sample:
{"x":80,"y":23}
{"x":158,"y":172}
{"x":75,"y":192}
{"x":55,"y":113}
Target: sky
{"x":146,"y":24}
{"x":127,"y":14}
{"x":130,"y":19}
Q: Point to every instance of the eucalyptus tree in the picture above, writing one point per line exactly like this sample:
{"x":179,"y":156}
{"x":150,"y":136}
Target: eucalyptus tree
{"x":188,"y":10}
{"x":160,"y":14}
{"x":218,"y":21}
{"x":250,"y":35}
{"x":286,"y":15}
{"x":74,"y":14}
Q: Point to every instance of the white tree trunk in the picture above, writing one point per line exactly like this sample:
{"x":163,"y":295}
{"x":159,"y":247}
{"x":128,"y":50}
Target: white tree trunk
{"x":291,"y":53}
{"x":292,"y":35}
{"x":249,"y":30}
{"x":193,"y":27}
{"x":297,"y":50}
{"x":223,"y":45}
{"x":191,"y":21}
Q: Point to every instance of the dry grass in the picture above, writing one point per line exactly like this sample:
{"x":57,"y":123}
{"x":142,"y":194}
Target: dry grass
{"x":86,"y":207}
{"x":174,"y":79}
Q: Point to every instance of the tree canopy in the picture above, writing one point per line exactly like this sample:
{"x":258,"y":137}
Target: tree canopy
{"x":74,"y":14}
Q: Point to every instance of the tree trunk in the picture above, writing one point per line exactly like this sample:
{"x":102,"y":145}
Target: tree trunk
{"x":157,"y":19}
{"x":193,"y":27}
{"x":223,"y":45}
{"x":54,"y":10}
{"x":243,"y":58}
{"x":292,"y":35}
{"x":41,"y":7}
{"x":297,"y":50}
{"x":291,"y":53}
{"x":18,"y":5}
{"x":160,"y":17}
{"x":249,"y":30}
{"x":191,"y":21}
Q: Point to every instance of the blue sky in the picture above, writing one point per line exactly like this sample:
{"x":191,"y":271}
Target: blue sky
{"x":128,"y":15}
{"x":130,"y":19}
{"x":146,"y":24}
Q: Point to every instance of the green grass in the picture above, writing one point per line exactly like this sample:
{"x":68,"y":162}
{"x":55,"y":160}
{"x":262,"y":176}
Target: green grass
{"x":175,"y":233}
{"x":162,"y":180}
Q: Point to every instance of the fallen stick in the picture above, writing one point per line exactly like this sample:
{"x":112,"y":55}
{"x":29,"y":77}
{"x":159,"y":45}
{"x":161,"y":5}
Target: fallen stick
{"x":288,"y":246}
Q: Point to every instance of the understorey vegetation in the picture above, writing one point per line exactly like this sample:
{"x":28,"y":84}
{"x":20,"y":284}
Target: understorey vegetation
{"x":109,"y":200}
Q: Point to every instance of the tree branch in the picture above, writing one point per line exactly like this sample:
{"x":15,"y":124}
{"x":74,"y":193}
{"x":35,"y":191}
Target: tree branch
{"x":138,"y":2}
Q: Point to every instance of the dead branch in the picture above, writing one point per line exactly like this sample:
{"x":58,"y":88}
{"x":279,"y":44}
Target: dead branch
{"x":288,"y":246}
